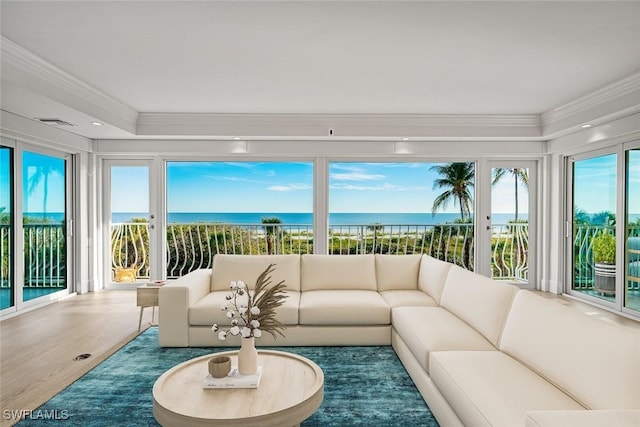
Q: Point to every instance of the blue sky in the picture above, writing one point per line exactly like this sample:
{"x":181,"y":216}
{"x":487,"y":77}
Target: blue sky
{"x":595,"y":183}
{"x":288,"y":187}
{"x":37,"y":169}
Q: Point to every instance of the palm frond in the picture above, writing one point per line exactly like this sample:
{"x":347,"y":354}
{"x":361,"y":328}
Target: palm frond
{"x":268,"y":298}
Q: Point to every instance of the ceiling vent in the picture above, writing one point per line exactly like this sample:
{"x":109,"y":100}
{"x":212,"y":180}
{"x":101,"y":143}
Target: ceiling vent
{"x":54,"y":122}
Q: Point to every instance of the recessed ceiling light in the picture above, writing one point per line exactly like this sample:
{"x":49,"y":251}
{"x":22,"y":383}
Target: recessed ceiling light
{"x":586,"y":125}
{"x":96,"y":123}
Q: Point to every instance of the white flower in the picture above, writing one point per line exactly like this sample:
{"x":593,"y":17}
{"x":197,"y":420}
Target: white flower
{"x":257,"y":333}
{"x":229,"y":314}
{"x":214,"y":328}
{"x":255,"y":310}
{"x":224,"y":306}
{"x":233,"y":285}
{"x":246,"y":332}
{"x":229,"y":296}
{"x":234,"y":322}
{"x":234,"y":331}
{"x":242,"y":309}
{"x":240,"y":284}
{"x":255,"y":324}
{"x":222,"y":335}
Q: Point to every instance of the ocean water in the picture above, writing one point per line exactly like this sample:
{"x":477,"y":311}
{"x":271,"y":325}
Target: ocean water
{"x":306,"y":218}
{"x":287,"y":218}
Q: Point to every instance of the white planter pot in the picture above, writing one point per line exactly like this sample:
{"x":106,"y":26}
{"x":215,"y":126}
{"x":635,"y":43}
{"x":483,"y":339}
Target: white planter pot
{"x":605,"y":278}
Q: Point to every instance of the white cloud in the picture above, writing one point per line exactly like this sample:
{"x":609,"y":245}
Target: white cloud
{"x":356,"y":176}
{"x":290,"y":187}
{"x":382,"y":187}
{"x":279,"y":188}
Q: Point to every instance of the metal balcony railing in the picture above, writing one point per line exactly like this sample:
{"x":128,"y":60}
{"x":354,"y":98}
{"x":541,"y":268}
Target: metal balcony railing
{"x":44,"y":255}
{"x":193,"y":246}
{"x":583,"y":265}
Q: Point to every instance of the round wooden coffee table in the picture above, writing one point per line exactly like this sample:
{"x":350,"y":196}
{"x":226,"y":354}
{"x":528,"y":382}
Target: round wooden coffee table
{"x":291,"y":389}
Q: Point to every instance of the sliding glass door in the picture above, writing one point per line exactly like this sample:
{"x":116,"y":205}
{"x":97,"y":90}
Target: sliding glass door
{"x":632,"y":214}
{"x":604,"y":226}
{"x":44,"y":195}
{"x":594,"y":225}
{"x":34,"y":222}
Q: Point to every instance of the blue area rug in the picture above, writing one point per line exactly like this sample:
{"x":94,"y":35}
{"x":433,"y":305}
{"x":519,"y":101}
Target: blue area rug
{"x":365,"y":386}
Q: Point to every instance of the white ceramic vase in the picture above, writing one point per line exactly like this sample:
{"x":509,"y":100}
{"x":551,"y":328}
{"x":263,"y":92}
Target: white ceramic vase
{"x":248,"y":357}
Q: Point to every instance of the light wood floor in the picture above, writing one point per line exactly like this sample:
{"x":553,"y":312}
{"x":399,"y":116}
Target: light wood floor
{"x":37,"y":348}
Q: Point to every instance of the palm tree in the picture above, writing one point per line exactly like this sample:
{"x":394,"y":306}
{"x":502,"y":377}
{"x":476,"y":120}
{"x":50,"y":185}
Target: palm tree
{"x":457,"y":180}
{"x":376,"y":228}
{"x":272,"y":231}
{"x":519,"y":175}
{"x":41,"y":174}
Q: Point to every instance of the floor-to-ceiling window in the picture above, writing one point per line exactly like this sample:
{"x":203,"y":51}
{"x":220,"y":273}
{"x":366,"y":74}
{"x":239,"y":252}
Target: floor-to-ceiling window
{"x":44,"y":198}
{"x":333,"y":206}
{"x":238,"y":208}
{"x":594,"y":225}
{"x":604,"y":213}
{"x":34,"y":215}
{"x":632,"y":216}
{"x":401,"y":208}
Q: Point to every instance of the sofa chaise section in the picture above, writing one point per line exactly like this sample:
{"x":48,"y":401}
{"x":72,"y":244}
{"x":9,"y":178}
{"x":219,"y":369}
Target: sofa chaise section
{"x":550,"y":359}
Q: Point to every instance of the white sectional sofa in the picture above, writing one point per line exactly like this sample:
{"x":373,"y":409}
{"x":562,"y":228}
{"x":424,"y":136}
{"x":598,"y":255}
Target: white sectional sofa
{"x":481,"y":352}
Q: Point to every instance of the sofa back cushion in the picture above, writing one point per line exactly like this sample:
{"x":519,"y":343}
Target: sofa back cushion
{"x":481,"y":302}
{"x":396,"y":272}
{"x":228,"y":268}
{"x":433,"y":275}
{"x":331,"y":272}
{"x":595,"y":362}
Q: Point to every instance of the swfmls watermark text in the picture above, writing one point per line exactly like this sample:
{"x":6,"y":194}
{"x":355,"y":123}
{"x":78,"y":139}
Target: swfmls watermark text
{"x":35,"y":414}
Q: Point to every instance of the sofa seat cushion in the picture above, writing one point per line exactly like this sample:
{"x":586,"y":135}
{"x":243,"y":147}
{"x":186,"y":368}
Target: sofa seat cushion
{"x":407,"y":297}
{"x":207,"y":311}
{"x":427,"y":329}
{"x":348,"y":307}
{"x":490,"y":388}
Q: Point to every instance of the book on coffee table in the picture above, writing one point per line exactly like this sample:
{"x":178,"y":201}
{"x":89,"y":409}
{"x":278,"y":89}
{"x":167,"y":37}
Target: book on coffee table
{"x":233,"y":380}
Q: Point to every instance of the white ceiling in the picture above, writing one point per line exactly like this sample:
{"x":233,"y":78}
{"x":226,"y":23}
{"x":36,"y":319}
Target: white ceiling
{"x":317,"y":58}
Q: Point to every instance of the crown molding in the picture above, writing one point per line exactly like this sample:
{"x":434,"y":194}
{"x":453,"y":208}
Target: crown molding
{"x":340,"y":125}
{"x":611,"y":102}
{"x":33,"y":72}
{"x":30,"y":71}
